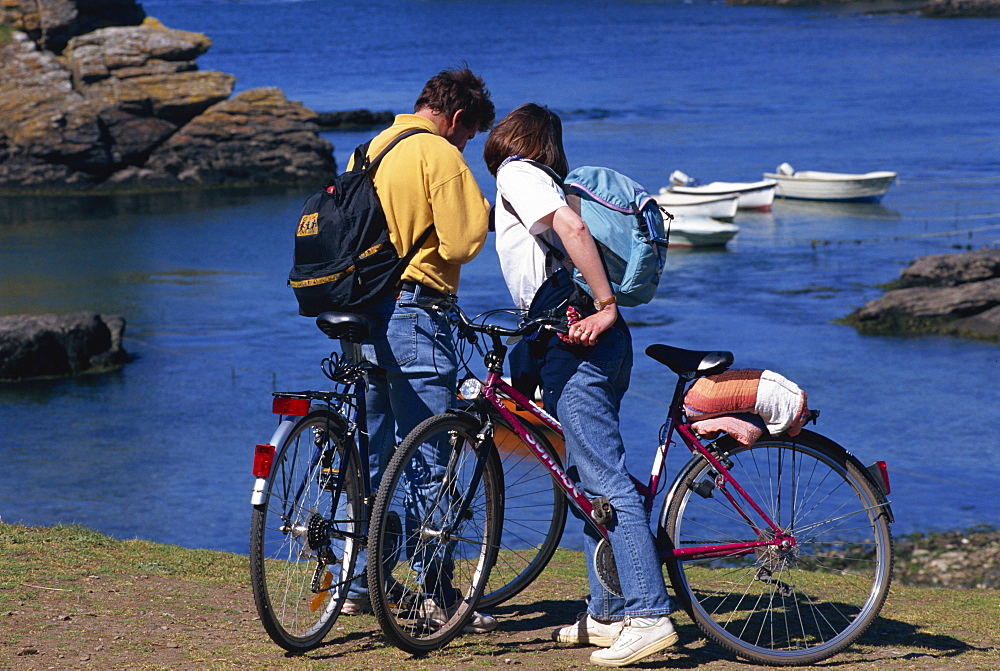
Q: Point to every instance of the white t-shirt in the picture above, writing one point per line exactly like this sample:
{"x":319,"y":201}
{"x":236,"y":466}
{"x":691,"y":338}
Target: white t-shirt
{"x":523,"y":258}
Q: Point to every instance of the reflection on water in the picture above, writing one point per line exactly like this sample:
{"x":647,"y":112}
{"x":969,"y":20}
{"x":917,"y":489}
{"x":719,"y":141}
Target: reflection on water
{"x":24,"y":211}
{"x":808,"y":209}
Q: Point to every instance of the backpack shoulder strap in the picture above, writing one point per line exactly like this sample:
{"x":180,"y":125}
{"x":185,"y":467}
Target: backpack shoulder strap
{"x":370,"y":165}
{"x":551,"y":251}
{"x":405,"y":261}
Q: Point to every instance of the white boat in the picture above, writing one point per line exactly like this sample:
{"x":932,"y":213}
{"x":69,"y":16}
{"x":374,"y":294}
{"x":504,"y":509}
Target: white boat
{"x":814,"y":185}
{"x":686,"y":204}
{"x":749,"y":195}
{"x":700,"y":231}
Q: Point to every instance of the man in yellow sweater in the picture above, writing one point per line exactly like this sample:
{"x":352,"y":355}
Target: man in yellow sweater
{"x":424,"y":182}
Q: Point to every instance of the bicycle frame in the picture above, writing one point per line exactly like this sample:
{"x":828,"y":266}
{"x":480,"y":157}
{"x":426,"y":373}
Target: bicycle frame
{"x":495,"y":385}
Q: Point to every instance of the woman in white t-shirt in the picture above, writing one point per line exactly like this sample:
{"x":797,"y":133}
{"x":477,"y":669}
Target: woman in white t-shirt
{"x":583,"y":377}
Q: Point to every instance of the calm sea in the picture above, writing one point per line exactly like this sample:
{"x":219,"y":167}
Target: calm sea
{"x":162,"y":449}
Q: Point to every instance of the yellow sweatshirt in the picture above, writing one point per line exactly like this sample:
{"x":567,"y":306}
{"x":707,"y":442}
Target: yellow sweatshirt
{"x":425,"y":180}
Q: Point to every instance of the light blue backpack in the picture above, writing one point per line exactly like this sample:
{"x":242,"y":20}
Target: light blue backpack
{"x":628,"y":227}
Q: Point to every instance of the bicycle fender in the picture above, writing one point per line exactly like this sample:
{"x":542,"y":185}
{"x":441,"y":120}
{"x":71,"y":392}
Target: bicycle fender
{"x":277,"y":438}
{"x":843,"y":456}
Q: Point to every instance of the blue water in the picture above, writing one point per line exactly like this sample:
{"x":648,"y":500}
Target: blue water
{"x":162,"y":450}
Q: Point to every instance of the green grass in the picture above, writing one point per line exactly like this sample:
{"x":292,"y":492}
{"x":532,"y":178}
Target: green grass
{"x":70,"y":591}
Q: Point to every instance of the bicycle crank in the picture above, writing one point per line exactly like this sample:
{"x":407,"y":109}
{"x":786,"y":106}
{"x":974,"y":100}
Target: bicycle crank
{"x":606,"y":568}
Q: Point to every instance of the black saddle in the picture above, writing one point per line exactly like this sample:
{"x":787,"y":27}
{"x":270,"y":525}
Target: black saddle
{"x":689,"y":363}
{"x":346,"y":326}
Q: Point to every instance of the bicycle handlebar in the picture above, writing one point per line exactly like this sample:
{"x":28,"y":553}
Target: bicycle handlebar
{"x":468,"y":328}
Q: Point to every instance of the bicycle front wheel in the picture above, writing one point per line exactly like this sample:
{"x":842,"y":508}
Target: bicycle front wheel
{"x":781,"y":605}
{"x":434,"y":532}
{"x":534,"y":514}
{"x":305,"y":536}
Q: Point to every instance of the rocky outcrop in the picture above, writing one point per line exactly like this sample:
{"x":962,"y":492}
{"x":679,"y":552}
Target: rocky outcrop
{"x":214,"y":147}
{"x":354,"y":119}
{"x":43,"y":346}
{"x":950,"y":294}
{"x":127,"y":105}
{"x":952,"y":9}
{"x":51,"y":23}
{"x":930,"y":8}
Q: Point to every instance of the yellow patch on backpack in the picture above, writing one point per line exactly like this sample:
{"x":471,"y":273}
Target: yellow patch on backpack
{"x":308,"y":225}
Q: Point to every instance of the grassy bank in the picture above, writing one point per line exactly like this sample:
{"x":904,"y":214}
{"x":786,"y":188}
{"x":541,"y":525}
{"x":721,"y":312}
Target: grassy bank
{"x":71,"y":598}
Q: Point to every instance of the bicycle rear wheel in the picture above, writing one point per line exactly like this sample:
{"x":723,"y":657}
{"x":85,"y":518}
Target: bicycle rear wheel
{"x":305,"y":536}
{"x":434,"y":532}
{"x":782,"y":606}
{"x":534,"y":514}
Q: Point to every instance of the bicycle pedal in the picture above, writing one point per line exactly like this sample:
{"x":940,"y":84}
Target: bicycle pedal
{"x":602,"y":512}
{"x":328,"y":478}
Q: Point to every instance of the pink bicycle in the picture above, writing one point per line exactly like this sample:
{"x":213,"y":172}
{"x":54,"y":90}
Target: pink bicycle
{"x":779,"y":551}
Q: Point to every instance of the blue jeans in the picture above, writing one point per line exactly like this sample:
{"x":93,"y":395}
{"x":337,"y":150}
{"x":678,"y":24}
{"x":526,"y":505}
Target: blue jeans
{"x":417,"y":377}
{"x":584,"y":386}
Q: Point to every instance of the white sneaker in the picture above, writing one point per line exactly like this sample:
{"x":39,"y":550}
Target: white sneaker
{"x":588,"y":631}
{"x":359,"y":606}
{"x":434,"y":617}
{"x":635,"y":643}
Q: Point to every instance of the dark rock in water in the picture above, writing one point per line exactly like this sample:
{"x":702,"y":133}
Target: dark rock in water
{"x":354,"y":119}
{"x":949,"y":9}
{"x":949,"y":294}
{"x":929,"y":8}
{"x":950,"y":270}
{"x":125,"y":105}
{"x":42,"y":346}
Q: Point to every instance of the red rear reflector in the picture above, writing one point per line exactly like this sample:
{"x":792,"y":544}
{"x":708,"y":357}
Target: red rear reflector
{"x":884,"y":471}
{"x":290,"y":406}
{"x":263,"y":456}
{"x":331,"y":189}
{"x":881,"y":474}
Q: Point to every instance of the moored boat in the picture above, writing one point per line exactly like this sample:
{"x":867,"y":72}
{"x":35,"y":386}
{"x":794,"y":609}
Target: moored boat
{"x":867,"y":187}
{"x":685,"y":204}
{"x":700,"y":231}
{"x":749,"y":195}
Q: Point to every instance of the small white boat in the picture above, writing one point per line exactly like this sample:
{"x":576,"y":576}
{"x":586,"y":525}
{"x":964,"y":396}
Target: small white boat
{"x":700,"y":231}
{"x":813,"y":185}
{"x":749,"y":195}
{"x":686,"y":204}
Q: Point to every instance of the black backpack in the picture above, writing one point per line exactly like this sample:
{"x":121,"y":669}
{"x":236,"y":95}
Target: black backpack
{"x":344,"y":260}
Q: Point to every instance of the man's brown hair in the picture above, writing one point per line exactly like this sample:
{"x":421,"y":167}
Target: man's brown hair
{"x":531,"y":131}
{"x":459,"y":89}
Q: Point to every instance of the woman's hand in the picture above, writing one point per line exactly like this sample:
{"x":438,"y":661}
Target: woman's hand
{"x":586,"y":331}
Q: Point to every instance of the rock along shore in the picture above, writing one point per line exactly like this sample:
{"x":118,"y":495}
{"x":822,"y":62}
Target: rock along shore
{"x":47,"y":346}
{"x":98,"y":95}
{"x":934,"y":9}
{"x":947,"y":294}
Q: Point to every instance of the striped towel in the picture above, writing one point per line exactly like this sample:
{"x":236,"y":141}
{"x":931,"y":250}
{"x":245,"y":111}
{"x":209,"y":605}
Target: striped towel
{"x":711,"y":403}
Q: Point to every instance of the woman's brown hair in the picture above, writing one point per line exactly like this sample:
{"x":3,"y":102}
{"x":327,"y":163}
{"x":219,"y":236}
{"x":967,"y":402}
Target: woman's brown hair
{"x":532,"y":131}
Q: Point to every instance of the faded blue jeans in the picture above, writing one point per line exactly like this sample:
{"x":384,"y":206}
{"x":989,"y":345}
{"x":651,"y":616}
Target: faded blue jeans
{"x":417,"y":377}
{"x":584,"y":386}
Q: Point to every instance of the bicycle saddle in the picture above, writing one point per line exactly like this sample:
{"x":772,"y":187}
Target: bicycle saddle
{"x":345,"y":326}
{"x":689,"y":363}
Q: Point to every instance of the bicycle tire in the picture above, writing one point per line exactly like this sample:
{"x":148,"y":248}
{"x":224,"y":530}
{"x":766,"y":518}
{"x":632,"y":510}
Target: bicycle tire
{"x":313,"y":507}
{"x":426,"y":574}
{"x":534,"y":514}
{"x":790,"y":607}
